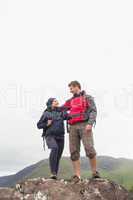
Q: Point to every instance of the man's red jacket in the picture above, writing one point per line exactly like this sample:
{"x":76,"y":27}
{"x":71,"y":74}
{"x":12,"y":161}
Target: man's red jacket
{"x":81,"y":108}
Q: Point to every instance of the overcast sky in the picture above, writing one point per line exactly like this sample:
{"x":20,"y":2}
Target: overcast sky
{"x":46,"y":44}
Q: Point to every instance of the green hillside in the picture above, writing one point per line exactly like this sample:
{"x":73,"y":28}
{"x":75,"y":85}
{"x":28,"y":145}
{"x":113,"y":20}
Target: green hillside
{"x":119,"y":170}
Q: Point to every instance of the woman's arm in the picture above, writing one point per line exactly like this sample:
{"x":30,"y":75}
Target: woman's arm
{"x":66,"y":106}
{"x":66,"y":116}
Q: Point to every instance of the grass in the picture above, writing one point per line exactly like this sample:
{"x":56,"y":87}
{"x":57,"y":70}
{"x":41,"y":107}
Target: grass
{"x":122,"y":174}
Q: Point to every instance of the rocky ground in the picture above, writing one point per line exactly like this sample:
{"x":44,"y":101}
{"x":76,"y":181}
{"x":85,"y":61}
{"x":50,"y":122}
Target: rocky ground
{"x":46,"y":189}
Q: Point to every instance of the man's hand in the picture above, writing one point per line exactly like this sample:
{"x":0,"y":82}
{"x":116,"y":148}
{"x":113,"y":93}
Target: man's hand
{"x":88,"y":128}
{"x":49,"y":122}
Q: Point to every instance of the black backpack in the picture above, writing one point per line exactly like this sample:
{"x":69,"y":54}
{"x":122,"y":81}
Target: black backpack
{"x":41,"y":124}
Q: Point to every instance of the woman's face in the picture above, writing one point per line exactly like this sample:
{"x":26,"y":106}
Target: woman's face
{"x":55,"y":103}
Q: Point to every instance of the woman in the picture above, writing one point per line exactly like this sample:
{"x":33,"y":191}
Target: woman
{"x":52,"y":123}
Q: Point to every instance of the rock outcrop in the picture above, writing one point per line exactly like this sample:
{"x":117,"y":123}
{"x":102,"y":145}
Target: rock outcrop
{"x":46,"y":189}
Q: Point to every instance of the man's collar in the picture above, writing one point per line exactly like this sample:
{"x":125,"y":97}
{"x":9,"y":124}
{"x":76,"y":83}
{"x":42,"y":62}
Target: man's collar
{"x":79,"y":94}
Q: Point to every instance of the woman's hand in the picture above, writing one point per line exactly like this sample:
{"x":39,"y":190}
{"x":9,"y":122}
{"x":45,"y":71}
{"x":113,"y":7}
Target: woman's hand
{"x":49,"y":122}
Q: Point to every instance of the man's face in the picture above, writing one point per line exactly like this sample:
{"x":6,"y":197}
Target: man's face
{"x":74,"y":89}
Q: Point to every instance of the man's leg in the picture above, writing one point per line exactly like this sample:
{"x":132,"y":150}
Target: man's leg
{"x":93,"y":163}
{"x":76,"y":167}
{"x":88,"y":142}
{"x":74,"y":144}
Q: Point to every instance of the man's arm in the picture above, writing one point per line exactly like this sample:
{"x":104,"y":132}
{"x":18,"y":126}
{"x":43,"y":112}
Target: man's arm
{"x":92,"y":110}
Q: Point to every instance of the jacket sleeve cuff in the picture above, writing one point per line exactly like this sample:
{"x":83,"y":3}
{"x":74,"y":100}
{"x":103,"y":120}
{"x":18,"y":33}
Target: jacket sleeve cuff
{"x":90,"y":123}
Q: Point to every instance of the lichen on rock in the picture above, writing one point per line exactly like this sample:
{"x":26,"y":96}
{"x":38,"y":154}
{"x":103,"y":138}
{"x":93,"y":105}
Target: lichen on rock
{"x":46,"y":189}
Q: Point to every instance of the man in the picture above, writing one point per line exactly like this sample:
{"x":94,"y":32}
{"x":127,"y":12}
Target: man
{"x":83,"y":112}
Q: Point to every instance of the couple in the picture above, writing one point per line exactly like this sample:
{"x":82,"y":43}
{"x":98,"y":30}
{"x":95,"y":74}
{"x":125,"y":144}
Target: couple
{"x":80,"y":112}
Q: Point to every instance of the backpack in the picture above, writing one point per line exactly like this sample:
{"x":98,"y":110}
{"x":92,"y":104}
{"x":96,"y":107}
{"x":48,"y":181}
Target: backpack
{"x":41,"y":124}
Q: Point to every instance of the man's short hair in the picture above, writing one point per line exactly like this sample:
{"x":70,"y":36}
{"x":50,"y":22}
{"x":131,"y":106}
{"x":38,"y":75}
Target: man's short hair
{"x":74,"y":84}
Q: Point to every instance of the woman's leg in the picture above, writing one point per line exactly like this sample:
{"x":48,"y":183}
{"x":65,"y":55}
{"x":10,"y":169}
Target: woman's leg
{"x":60,"y":143}
{"x":53,"y":158}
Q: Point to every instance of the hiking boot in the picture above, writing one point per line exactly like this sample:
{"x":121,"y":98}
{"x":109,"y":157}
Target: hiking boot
{"x":54,"y":177}
{"x":75,"y":179}
{"x":96,"y":175}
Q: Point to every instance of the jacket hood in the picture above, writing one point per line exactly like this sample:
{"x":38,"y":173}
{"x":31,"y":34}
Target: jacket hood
{"x":49,"y":102}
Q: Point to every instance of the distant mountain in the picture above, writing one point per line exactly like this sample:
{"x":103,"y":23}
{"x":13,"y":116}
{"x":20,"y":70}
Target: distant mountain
{"x":117,"y":169}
